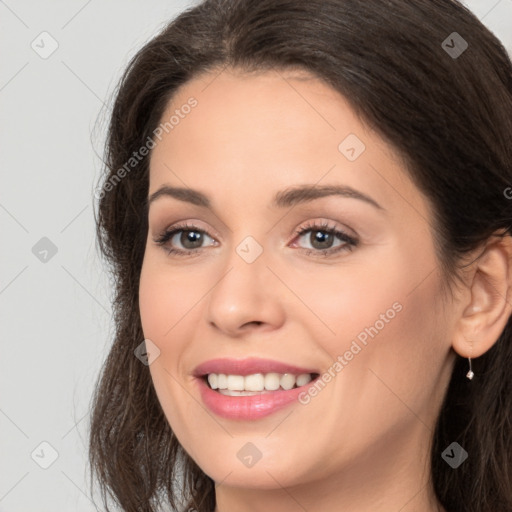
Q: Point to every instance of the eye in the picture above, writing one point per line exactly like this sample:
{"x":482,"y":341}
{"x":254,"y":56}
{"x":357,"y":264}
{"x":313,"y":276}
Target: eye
{"x":321,"y":238}
{"x":189,"y":240}
{"x":190,"y":237}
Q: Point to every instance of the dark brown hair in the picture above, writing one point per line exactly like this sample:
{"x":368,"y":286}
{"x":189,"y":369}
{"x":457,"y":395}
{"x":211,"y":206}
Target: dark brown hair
{"x":449,"y":117}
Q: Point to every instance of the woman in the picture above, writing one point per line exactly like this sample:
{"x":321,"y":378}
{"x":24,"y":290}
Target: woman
{"x":306,"y":213}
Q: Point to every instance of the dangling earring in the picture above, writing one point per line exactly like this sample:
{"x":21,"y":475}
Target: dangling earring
{"x":470,"y":374}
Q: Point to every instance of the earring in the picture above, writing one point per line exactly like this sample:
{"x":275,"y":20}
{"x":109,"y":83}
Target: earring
{"x":470,"y":374}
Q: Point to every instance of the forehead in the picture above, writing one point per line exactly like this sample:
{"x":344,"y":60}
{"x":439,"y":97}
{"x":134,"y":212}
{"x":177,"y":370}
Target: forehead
{"x":260,"y":132}
{"x":274,"y":107}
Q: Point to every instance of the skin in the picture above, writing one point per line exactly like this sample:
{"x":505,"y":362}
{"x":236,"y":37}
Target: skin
{"x":361,"y":444}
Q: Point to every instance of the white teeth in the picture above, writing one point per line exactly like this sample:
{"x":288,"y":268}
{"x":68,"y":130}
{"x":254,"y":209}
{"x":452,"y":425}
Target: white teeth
{"x":287,"y":381}
{"x":303,"y":379}
{"x":239,"y":385}
{"x":213,"y":380}
{"x":222,"y":381}
{"x":272,"y":381}
{"x":235,"y":382}
{"x":254,"y":382}
{"x":228,"y":392}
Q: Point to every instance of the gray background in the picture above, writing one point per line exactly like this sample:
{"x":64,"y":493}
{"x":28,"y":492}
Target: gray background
{"x":55,"y":308}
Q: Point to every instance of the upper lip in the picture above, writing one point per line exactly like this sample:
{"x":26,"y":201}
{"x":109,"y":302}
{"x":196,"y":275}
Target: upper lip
{"x":247,"y":366}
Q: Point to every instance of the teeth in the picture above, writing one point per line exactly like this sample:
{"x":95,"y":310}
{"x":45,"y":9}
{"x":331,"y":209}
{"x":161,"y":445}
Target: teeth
{"x":255,"y":382}
{"x":235,"y":382}
{"x":222,"y":382}
{"x":287,"y":381}
{"x":303,"y":379}
{"x":213,"y":380}
{"x":239,"y":385}
{"x":228,"y":392}
{"x":272,"y":381}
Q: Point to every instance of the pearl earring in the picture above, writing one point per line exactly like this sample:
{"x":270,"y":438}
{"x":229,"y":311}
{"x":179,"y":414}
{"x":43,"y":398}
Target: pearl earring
{"x":470,"y":374}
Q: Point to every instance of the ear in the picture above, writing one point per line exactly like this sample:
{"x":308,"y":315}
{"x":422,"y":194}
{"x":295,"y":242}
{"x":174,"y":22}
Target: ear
{"x":487,"y":302}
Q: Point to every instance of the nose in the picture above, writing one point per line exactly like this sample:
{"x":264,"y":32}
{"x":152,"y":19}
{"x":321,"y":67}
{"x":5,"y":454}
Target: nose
{"x":247,"y":297}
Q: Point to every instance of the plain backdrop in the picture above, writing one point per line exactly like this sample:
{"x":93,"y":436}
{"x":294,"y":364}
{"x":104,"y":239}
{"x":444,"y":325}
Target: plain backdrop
{"x":54,"y":292}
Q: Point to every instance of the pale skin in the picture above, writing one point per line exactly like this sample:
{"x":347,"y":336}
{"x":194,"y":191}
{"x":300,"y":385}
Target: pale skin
{"x":361,"y":444}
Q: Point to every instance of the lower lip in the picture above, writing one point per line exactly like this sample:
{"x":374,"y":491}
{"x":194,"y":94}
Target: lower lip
{"x":248,"y":407}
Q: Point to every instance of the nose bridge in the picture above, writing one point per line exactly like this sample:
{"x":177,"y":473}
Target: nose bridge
{"x":242,"y":274}
{"x":242,"y":293}
{"x":250,"y":250}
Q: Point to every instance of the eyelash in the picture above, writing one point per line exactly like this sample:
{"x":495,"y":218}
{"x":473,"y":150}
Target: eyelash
{"x":324,"y":227}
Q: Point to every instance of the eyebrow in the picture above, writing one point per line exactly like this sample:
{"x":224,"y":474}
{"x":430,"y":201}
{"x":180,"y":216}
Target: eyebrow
{"x":283,"y":199}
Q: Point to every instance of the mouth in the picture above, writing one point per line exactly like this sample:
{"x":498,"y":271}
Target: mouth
{"x":252,"y":388}
{"x":256,"y":383}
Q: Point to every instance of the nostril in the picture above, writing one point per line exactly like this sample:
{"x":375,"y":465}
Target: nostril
{"x":255,"y":322}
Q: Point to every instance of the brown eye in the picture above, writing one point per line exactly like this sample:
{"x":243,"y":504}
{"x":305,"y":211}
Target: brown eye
{"x":191,"y":239}
{"x":322,"y":239}
{"x":184,"y":240}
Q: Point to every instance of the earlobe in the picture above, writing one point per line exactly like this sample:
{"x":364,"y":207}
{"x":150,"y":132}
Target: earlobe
{"x":488,"y":307}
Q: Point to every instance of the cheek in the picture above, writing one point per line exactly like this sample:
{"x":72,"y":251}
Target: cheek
{"x":166,"y":302}
{"x":165,"y":297}
{"x":387,"y":319}
{"x":154,"y":300}
{"x":356,"y":297}
{"x":399,"y":365}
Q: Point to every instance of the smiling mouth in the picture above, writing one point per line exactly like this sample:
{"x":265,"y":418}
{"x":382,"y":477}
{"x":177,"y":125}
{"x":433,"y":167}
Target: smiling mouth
{"x":256,"y":383}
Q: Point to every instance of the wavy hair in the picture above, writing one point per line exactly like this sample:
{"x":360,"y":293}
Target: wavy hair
{"x":450,"y":118}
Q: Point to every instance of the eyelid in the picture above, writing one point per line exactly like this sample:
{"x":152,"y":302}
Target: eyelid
{"x":189,"y":224}
{"x":321,"y":224}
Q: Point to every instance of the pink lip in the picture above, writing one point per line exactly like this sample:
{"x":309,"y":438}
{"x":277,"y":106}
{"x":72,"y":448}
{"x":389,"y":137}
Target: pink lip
{"x":247,"y":407}
{"x":247,"y":367}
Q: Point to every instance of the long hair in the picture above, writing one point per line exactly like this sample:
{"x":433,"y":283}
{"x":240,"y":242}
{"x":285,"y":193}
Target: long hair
{"x":443,"y":101}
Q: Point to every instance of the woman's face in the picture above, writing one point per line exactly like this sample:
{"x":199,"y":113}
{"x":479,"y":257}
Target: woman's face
{"x":341,"y":285}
